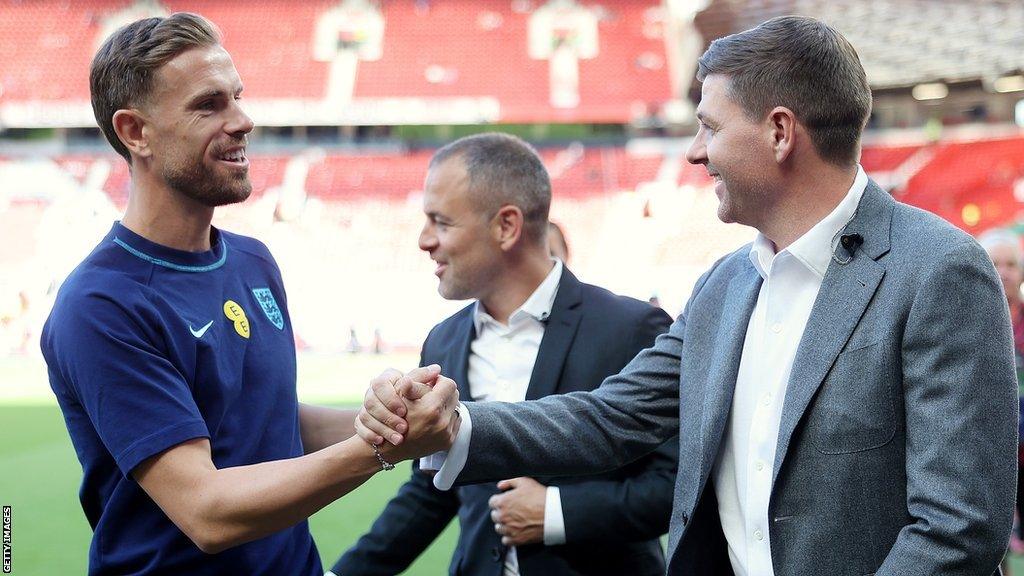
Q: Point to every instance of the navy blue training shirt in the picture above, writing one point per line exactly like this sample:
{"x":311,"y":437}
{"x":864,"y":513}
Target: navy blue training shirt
{"x":148,"y":347}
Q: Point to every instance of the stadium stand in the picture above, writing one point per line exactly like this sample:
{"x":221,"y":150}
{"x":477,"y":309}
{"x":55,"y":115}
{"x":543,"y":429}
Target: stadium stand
{"x":444,"y":52}
{"x":976,"y":185}
{"x":876,"y":159}
{"x":639,"y":219}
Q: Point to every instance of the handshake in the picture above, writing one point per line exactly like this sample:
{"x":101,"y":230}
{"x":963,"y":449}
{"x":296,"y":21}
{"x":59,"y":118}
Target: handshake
{"x":413,"y":415}
{"x":409,"y":415}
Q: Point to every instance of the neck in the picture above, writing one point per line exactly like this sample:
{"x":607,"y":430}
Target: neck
{"x":517,"y":282}
{"x":165,"y":216}
{"x":804,"y":201}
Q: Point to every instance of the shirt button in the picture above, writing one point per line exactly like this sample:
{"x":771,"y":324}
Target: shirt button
{"x":777,"y":327}
{"x":767,"y":399}
{"x":758,"y":535}
{"x":759,"y":465}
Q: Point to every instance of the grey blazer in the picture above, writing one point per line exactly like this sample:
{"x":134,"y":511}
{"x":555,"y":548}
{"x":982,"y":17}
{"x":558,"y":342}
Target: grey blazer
{"x":897,"y":447}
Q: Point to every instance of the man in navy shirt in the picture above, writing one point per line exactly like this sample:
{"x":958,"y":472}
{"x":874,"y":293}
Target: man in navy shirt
{"x":170,"y":348}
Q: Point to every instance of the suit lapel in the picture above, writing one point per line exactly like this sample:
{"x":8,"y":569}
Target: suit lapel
{"x":728,"y":348}
{"x":842,"y":299}
{"x":458,"y":356}
{"x":558,"y":336}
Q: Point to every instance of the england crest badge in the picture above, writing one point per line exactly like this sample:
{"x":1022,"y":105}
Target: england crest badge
{"x":266,"y":300}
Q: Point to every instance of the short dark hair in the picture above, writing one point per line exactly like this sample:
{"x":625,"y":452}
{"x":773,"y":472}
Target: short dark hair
{"x":503,"y":169}
{"x":802,"y":64}
{"x":122,"y":71}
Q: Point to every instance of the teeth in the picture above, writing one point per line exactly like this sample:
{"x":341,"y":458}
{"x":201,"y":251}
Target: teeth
{"x":236,"y":156}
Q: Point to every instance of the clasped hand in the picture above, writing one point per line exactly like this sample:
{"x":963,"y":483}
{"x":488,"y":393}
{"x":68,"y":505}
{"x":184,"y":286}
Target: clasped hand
{"x":414,"y":413}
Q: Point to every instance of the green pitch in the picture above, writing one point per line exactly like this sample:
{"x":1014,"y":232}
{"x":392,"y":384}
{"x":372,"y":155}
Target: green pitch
{"x":39,"y":477}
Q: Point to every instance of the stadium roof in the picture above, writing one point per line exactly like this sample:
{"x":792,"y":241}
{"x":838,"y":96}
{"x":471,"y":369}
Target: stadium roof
{"x":901,"y":42}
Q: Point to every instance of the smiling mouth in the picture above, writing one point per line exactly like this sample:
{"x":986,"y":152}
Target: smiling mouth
{"x":234,"y":157}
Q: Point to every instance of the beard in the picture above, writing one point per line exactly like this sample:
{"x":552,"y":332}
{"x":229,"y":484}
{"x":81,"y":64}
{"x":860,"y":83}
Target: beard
{"x":196,"y":180}
{"x":453,"y":288}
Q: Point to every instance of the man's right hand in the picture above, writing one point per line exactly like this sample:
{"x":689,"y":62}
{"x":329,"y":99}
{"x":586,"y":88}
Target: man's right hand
{"x":415,"y":412}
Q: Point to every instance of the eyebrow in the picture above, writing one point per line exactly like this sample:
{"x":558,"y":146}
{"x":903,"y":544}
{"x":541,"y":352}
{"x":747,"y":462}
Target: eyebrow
{"x":212,"y":93}
{"x":704,"y":118}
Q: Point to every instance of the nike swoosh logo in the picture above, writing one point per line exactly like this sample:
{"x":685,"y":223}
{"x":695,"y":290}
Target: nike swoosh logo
{"x":199,"y":333}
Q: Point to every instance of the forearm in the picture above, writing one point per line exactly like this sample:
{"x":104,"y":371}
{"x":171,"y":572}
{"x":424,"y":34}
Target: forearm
{"x":627,"y":417}
{"x":634,"y":508}
{"x":245,"y":503}
{"x":321,"y":426}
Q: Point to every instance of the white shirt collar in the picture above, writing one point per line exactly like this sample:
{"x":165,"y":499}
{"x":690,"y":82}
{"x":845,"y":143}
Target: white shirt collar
{"x":537,"y":306}
{"x":814,"y":249}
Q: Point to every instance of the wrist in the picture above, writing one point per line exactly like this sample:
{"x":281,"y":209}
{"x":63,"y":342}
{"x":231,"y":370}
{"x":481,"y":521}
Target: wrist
{"x":356,"y":455}
{"x":385,"y":465}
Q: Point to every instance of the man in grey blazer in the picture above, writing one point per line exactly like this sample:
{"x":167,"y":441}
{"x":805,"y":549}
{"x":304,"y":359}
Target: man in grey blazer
{"x":843,"y":388}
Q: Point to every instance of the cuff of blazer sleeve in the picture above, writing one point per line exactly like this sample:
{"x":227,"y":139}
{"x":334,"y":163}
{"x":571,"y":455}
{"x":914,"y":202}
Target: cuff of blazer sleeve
{"x":449,"y":464}
{"x":554,"y":522}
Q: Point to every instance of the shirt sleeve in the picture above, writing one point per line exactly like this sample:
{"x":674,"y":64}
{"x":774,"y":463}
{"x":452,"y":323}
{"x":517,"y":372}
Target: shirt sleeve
{"x":554,"y":522}
{"x":110,"y":355}
{"x":449,"y":464}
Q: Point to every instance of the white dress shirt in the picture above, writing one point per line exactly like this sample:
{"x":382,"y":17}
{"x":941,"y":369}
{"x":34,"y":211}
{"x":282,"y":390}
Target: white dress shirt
{"x":501,"y":360}
{"x":744,"y":467}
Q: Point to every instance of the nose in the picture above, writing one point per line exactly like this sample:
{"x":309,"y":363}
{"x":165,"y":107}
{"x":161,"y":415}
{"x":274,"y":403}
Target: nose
{"x":240,"y":123}
{"x":427,"y":240}
{"x":697,"y":153}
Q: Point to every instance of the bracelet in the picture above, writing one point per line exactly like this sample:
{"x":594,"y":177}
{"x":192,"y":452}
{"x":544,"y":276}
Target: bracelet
{"x":384,"y":464}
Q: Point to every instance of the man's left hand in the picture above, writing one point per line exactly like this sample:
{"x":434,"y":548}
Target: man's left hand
{"x":518,"y":512}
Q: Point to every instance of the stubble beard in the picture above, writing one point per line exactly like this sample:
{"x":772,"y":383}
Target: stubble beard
{"x":451,"y":289}
{"x":195,"y":180}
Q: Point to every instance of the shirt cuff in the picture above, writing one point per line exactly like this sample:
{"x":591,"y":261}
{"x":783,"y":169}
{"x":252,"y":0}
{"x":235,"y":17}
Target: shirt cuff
{"x":554,"y":523}
{"x":449,"y":464}
{"x":329,"y":573}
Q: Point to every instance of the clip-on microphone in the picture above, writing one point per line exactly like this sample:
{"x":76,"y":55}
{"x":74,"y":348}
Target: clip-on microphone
{"x":849,"y":243}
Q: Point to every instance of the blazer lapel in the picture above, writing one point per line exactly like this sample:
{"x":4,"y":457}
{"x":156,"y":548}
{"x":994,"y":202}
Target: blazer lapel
{"x":558,"y":336}
{"x":845,"y":293}
{"x":728,"y":348}
{"x":458,"y":356}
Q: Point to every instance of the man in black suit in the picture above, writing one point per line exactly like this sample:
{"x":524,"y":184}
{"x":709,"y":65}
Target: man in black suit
{"x":534,"y":330}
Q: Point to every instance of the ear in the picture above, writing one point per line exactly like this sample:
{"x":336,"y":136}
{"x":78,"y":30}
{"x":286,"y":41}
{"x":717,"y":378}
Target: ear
{"x":129,"y":125}
{"x":782,"y":127}
{"x":508,"y":226}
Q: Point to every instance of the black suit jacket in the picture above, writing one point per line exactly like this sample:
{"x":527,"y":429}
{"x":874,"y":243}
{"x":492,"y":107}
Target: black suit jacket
{"x":612,"y":521}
